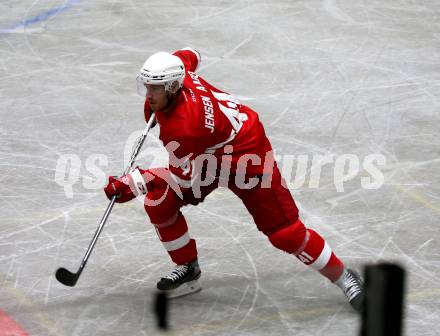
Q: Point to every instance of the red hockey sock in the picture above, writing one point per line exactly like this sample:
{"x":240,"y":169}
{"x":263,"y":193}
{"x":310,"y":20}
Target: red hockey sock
{"x":175,"y":238}
{"x":315,"y":252}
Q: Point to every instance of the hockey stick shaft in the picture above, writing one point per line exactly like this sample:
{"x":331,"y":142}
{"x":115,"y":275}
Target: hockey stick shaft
{"x":74,"y":277}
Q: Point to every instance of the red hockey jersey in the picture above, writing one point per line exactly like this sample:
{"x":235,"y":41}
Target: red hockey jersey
{"x":204,"y":121}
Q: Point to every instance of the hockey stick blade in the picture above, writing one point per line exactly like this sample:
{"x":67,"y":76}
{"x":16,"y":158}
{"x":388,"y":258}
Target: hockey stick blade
{"x":66,"y":277}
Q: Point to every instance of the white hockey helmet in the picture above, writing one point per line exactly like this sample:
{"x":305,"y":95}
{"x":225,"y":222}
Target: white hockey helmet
{"x":161,"y":68}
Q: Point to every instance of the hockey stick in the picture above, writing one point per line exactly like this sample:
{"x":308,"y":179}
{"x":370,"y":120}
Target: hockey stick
{"x":68,"y":278}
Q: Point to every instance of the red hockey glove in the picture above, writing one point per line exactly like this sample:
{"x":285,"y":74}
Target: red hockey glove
{"x":126,"y":187}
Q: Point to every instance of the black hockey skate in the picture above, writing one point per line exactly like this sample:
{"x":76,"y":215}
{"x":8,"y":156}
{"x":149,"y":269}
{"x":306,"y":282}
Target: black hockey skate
{"x":183,"y":280}
{"x":353,"y":288}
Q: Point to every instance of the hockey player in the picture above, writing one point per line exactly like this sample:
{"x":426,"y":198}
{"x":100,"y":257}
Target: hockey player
{"x":213,"y":141}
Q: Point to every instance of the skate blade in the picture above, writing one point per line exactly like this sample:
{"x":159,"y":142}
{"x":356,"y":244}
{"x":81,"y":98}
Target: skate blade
{"x":190,"y":287}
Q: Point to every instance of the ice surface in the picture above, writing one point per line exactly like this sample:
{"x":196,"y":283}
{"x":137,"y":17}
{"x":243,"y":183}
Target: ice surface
{"x":327,"y":77}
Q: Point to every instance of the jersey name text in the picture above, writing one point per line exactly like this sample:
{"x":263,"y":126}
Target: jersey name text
{"x":209,"y":113}
{"x":195,"y":79}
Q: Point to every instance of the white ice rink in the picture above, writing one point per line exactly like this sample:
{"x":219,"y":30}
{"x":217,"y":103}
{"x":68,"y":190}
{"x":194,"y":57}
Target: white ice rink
{"x":327,"y":77}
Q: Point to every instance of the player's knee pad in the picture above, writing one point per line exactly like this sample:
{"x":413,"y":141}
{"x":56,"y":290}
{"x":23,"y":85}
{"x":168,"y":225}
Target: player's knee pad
{"x":162,"y":206}
{"x":289,"y":238}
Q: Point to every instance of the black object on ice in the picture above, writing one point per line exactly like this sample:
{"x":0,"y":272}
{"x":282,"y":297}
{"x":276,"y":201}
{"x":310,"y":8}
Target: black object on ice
{"x":383,"y":301}
{"x":161,"y":310}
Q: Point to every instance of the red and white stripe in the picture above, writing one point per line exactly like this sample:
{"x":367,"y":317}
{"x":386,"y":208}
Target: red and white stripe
{"x":323,"y":258}
{"x":177,"y":243}
{"x":175,"y":237}
{"x":316,"y":253}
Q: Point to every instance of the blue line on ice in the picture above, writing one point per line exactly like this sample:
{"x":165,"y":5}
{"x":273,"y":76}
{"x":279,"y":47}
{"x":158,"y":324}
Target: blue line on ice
{"x":40,"y":17}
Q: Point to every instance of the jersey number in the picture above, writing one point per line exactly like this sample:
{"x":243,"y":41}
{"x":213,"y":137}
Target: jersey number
{"x":229,"y":106}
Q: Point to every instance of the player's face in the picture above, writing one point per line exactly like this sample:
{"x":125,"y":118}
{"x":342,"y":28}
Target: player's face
{"x":157,"y":97}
